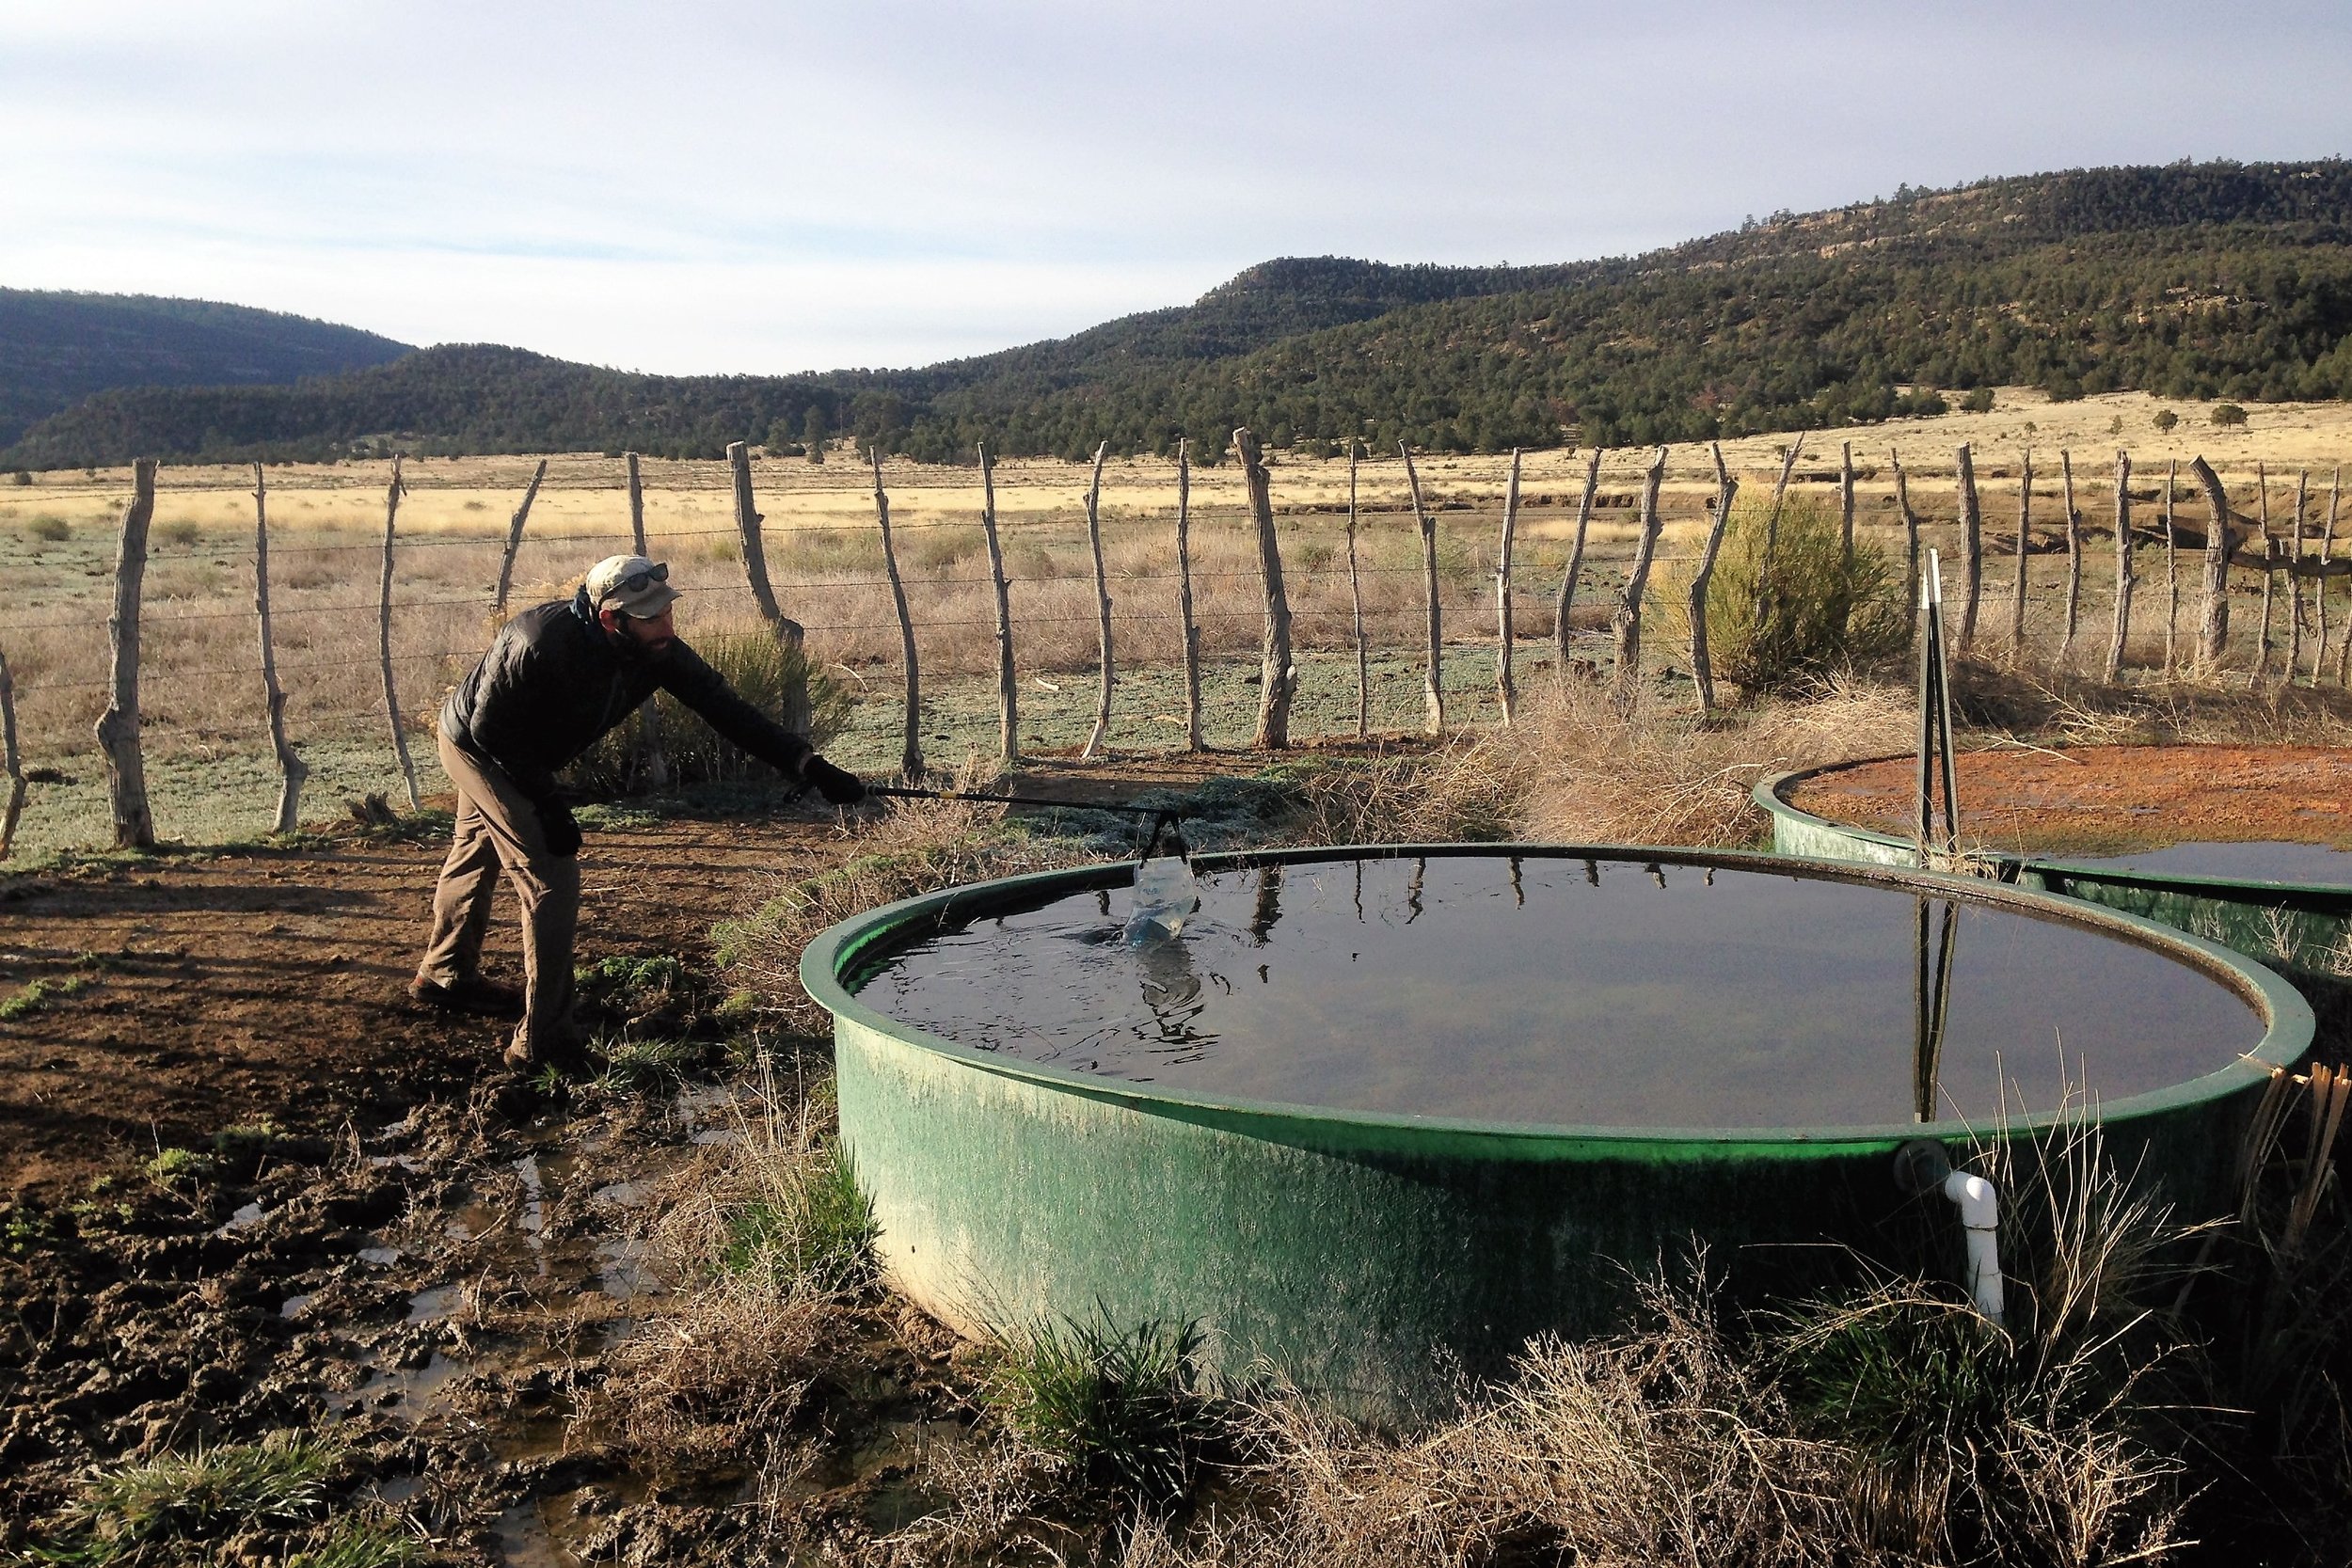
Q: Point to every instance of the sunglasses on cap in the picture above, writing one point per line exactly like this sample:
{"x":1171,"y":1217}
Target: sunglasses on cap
{"x":637,"y":582}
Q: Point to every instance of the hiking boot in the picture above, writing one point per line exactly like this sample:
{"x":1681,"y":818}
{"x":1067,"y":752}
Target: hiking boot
{"x":469,"y":993}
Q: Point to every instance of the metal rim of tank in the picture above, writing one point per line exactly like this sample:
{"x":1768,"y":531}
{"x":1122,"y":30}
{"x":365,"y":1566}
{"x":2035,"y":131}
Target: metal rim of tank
{"x":1771,"y":796}
{"x":2287,"y":1017}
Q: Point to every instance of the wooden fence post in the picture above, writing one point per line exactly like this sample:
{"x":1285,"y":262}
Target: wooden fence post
{"x":118,"y":727}
{"x":1576,"y":560}
{"x":789,"y":633}
{"x":515,"y":541}
{"x":292,"y":769}
{"x":1972,"y":546}
{"x":1278,"y":675}
{"x":1356,"y":601}
{"x":2327,"y":553}
{"x":2262,"y":638}
{"x":911,"y":749}
{"x":1100,"y":736}
{"x":2172,"y":571}
{"x":1911,"y":518}
{"x":1628,"y":616}
{"x":2294,"y":577}
{"x":383,"y":636}
{"x":2123,"y":577}
{"x":1506,"y":693}
{"x":1007,"y":687}
{"x":2024,"y":543}
{"x":1845,"y":502}
{"x":2074,"y":558}
{"x":653,"y":765}
{"x":1433,"y":681}
{"x":10,"y":761}
{"x":1190,"y":624}
{"x":1771,"y":536}
{"x":1702,"y":670}
{"x":2213,"y":631}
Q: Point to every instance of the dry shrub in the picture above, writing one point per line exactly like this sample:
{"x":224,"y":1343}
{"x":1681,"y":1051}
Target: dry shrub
{"x":2074,"y":710}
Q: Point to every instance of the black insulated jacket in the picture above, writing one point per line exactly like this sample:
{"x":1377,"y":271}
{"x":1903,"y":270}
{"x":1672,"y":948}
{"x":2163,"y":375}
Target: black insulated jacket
{"x":553,"y":683}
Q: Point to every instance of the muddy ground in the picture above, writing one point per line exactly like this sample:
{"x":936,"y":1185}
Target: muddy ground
{"x":370,"y":1229}
{"x":2107,"y":800}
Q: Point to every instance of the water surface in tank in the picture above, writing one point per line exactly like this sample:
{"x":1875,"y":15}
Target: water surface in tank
{"x":2247,"y":861}
{"x":1547,"y":991}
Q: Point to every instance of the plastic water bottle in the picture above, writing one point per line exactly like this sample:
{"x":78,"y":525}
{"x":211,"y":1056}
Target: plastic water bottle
{"x":1166,"y":895}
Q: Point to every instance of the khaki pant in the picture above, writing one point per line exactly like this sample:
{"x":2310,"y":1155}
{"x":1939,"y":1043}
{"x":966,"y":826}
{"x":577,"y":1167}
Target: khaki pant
{"x":497,"y":829}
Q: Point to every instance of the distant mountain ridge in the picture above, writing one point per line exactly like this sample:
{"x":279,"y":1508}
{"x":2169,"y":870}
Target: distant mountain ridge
{"x":58,"y":348}
{"x":2189,"y":281}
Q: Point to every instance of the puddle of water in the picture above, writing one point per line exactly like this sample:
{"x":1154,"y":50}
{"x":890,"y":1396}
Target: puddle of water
{"x":415,"y":1393}
{"x":243,"y":1219}
{"x":630,"y":1194}
{"x":405,"y":1162}
{"x":432,"y":1304}
{"x":535,"y":1195}
{"x":293,"y":1306}
{"x":621,"y":1272}
{"x":383,"y":1256}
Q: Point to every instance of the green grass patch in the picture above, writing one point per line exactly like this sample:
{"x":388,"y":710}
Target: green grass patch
{"x":361,"y":1544}
{"x":814,"y":1222}
{"x":649,"y":1065}
{"x":1116,"y":1405}
{"x":144,"y":1510}
{"x":171,"y":1166}
{"x":41,"y":993}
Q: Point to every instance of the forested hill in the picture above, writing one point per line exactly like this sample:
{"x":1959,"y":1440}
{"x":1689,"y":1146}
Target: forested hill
{"x":56,"y":349}
{"x":2190,"y":280}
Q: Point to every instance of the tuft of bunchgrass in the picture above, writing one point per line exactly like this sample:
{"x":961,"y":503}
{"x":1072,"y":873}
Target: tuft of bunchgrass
{"x":1113,"y":1404}
{"x":813,"y":1223}
{"x":358,"y":1543}
{"x":649,"y":1065}
{"x":764,"y":672}
{"x":137,"y":1510}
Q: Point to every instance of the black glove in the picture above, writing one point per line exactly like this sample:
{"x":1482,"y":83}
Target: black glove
{"x":562,"y":834}
{"x":839,"y":785}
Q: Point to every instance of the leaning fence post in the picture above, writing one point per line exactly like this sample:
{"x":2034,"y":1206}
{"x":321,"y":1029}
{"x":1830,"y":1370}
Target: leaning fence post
{"x":1505,"y":692}
{"x":118,"y":727}
{"x":1007,"y":688}
{"x":2123,"y":579}
{"x":292,"y":769}
{"x":1278,"y":673}
{"x":2024,"y":540}
{"x":653,"y":766}
{"x":515,"y":541}
{"x":1576,"y":561}
{"x":1702,"y":669}
{"x":911,"y":750}
{"x":1433,"y":680}
{"x":788,"y":632}
{"x":1356,"y":601}
{"x":2213,"y":631}
{"x":1972,"y":544}
{"x":1100,"y":736}
{"x":383,"y":636}
{"x":1628,"y":616}
{"x":9,"y":761}
{"x":1190,"y":626}
{"x":1911,"y":518}
{"x":2294,"y":577}
{"x":2073,"y":556}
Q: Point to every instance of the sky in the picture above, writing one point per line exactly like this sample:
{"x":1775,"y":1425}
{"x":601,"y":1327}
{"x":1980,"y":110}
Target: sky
{"x":705,"y":186}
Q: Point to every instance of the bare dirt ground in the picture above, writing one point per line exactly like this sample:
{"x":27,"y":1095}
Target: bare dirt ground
{"x":2096,"y":797}
{"x":246,"y":1187}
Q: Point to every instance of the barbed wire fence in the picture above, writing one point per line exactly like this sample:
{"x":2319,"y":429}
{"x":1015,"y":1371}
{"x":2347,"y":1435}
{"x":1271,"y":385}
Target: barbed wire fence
{"x":1431,"y":592}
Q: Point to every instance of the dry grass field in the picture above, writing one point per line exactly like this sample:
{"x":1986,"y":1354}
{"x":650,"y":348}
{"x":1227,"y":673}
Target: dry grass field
{"x":57,"y":540}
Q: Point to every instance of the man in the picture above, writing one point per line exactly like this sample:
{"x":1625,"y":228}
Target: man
{"x":556,"y":678}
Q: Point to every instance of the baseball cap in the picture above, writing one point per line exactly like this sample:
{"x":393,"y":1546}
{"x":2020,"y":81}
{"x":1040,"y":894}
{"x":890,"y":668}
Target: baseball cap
{"x":631,"y":584}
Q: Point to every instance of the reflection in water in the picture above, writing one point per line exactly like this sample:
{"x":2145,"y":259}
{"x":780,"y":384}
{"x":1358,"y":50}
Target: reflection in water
{"x":1545,"y":993}
{"x":1931,"y":995}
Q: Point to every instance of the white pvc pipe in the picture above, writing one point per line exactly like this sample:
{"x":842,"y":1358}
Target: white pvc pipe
{"x":1981,"y":1215}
